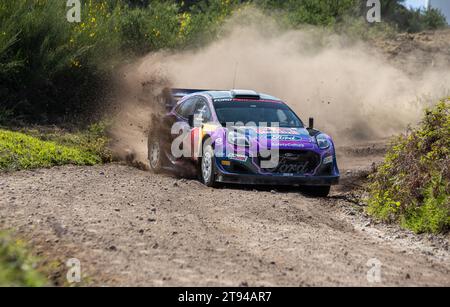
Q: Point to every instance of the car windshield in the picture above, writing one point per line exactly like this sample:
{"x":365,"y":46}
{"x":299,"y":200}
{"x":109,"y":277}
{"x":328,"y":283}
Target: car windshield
{"x":257,"y":112}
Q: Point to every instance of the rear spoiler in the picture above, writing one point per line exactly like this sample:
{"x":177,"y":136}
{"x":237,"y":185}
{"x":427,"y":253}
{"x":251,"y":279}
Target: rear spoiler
{"x":182,"y":92}
{"x":169,"y":97}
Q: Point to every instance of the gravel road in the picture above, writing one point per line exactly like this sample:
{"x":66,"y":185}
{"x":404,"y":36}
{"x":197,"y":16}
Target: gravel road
{"x":133,"y":228}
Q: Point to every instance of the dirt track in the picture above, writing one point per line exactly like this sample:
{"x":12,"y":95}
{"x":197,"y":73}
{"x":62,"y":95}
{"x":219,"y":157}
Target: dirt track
{"x":130,"y":227}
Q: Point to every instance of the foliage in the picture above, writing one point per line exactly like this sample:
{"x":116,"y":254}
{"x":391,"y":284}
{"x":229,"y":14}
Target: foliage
{"x":50,"y":67}
{"x":411,"y":20}
{"x":17,"y":266}
{"x":52,"y":71}
{"x":331,"y":13}
{"x":412,"y":186}
{"x":36,"y":149}
{"x":323,"y":13}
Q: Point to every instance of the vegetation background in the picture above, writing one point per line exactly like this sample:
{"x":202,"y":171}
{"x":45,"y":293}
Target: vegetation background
{"x":53,"y":71}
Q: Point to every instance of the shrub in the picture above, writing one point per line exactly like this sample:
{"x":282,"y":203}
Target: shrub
{"x":51,"y":69}
{"x":412,"y":186}
{"x":331,"y":13}
{"x":434,"y":19}
{"x":23,"y":151}
{"x":17,"y":266}
{"x":94,"y":140}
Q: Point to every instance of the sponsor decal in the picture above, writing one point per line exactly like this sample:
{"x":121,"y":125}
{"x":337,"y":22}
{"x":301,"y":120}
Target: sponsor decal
{"x":219,"y":141}
{"x":226,"y":163}
{"x":297,"y":168}
{"x":296,"y":145}
{"x":236,"y":157}
{"x":279,"y":131}
{"x":288,"y":175}
{"x":286,"y":137}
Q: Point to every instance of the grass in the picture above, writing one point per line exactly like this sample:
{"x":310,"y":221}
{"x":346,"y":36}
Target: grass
{"x":412,"y":186}
{"x":34,"y":148}
{"x":17,"y":265}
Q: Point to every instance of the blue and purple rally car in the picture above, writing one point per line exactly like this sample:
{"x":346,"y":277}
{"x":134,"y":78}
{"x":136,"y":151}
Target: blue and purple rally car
{"x":240,"y":136}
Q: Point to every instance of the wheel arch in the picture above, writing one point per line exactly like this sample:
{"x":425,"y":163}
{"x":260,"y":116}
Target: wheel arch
{"x":206,"y":138}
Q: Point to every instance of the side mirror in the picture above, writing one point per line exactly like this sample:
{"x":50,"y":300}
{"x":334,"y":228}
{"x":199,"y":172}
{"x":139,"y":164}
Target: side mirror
{"x":311,"y":123}
{"x":191,"y":120}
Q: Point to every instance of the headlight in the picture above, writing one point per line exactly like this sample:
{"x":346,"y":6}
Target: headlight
{"x":322,"y":141}
{"x":237,"y":139}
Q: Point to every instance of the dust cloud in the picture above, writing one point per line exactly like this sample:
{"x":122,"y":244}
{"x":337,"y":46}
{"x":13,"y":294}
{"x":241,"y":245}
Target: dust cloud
{"x":138,"y":100}
{"x":354,"y":93}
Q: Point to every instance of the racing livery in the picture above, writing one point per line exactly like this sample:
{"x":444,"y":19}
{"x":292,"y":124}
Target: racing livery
{"x":240,"y":136}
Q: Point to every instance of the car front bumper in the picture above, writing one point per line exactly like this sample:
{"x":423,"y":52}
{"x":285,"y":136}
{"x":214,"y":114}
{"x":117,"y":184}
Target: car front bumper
{"x":277,"y":180}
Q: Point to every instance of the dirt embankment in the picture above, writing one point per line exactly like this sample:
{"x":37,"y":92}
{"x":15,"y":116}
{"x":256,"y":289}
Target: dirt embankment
{"x":418,"y":52}
{"x":130,"y":227}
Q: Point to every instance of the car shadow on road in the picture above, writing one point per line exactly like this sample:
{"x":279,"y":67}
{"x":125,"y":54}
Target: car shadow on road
{"x":301,"y":190}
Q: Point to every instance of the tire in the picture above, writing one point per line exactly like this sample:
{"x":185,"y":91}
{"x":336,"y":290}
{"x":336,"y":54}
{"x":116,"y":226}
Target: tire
{"x":155,"y":154}
{"x":317,"y":191}
{"x":208,"y":166}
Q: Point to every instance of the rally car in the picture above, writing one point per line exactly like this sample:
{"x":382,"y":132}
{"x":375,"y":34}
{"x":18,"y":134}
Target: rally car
{"x":240,"y":136}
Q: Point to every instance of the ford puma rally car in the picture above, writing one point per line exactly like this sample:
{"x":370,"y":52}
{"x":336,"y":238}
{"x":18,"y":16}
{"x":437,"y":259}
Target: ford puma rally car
{"x":240,"y":136}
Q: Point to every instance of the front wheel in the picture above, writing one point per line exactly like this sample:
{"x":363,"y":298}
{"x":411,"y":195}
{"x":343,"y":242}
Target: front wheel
{"x":208,"y":166}
{"x":317,"y":191}
{"x":155,"y":154}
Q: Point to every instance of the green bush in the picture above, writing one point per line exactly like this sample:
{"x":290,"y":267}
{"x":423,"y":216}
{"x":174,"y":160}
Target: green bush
{"x":93,"y":140}
{"x":412,"y":186}
{"x":37,"y":149}
{"x":349,"y":17}
{"x":398,"y":15}
{"x":434,"y":19}
{"x":49,"y":68}
{"x":17,"y":266}
{"x":313,"y":12}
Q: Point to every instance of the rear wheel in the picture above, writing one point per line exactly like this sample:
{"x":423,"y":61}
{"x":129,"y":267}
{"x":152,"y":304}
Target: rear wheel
{"x":208,"y":166}
{"x":317,"y":191}
{"x":155,"y":154}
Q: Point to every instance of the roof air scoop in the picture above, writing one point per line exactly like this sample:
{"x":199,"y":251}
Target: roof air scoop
{"x":245,"y":94}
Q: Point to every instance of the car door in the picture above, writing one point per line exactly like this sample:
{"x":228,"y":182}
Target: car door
{"x":202,"y":115}
{"x":182,"y":134}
